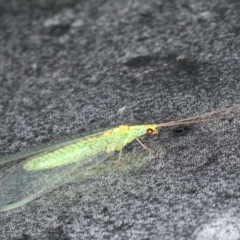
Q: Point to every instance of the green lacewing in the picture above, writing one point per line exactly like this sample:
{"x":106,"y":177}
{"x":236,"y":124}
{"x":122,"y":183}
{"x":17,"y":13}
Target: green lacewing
{"x":49,"y":166}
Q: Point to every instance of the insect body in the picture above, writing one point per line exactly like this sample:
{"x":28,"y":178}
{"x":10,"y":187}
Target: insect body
{"x":108,"y":141}
{"x":52,"y":165}
{"x":48,"y":167}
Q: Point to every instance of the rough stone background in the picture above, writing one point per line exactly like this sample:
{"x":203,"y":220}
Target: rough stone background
{"x":72,"y":66}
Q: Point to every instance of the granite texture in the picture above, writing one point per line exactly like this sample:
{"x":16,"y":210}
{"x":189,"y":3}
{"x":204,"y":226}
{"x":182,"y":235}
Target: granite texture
{"x":72,"y":66}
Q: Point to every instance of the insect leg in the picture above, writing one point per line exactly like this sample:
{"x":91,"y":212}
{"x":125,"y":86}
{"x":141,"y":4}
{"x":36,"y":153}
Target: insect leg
{"x":145,"y":147}
{"x":119,"y":158}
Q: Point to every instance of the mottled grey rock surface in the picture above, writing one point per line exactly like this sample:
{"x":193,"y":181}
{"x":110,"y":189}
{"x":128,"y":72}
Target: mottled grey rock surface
{"x":72,"y":66}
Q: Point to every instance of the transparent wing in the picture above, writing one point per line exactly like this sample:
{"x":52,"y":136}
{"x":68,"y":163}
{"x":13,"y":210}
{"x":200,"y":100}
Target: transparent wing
{"x":50,"y":146}
{"x":19,"y":186}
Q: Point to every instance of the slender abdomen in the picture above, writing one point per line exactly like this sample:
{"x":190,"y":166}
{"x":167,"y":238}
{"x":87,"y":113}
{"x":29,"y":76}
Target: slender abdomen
{"x":66,"y":155}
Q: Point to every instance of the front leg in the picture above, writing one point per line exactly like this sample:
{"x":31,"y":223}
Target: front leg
{"x":145,"y":147}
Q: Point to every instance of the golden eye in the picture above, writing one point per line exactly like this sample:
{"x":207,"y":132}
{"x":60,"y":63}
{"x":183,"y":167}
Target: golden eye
{"x":149,"y":131}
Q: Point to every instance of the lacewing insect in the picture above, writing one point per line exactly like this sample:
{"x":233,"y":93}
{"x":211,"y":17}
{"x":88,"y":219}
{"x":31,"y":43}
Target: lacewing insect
{"x":49,"y":166}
